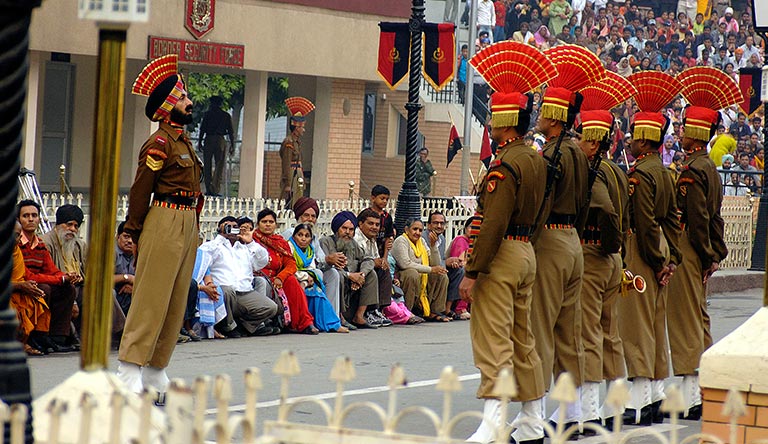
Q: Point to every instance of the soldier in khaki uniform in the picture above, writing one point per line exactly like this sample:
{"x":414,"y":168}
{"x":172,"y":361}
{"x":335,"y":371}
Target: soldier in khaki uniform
{"x":164,"y":227}
{"x":699,"y":197}
{"x":602,"y":243}
{"x":652,"y":250}
{"x":501,"y":264}
{"x":556,"y":308}
{"x":290,"y":150}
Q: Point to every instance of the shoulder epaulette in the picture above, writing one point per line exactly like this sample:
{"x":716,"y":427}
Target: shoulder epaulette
{"x":157,"y":152}
{"x":160,"y":140}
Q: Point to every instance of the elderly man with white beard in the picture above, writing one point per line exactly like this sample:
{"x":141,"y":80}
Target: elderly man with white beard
{"x":69,"y":252}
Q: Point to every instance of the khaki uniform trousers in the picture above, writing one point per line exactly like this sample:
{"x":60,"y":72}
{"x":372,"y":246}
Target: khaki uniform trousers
{"x":556,"y":309}
{"x":437,"y":289}
{"x":685,"y":318}
{"x":167,"y":248}
{"x":603,"y":352}
{"x":642,"y":319}
{"x":500,"y":326}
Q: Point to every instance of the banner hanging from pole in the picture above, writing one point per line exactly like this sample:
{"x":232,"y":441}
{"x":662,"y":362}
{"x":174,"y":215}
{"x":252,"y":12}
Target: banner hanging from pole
{"x":439,"y":57}
{"x":750,"y":86}
{"x":394,"y":53}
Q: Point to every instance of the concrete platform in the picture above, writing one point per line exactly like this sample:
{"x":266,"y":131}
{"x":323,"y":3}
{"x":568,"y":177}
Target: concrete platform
{"x":736,"y":279}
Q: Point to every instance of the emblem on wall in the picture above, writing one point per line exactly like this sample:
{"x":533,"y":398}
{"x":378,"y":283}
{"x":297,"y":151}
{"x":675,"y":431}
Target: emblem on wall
{"x":200,"y":16}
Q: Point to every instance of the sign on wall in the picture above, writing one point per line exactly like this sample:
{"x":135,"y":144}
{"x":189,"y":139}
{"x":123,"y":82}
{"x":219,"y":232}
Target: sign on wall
{"x":190,"y":51}
{"x":199,"y":17}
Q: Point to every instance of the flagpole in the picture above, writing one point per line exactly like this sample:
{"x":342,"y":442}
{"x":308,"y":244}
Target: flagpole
{"x":468,"y":96}
{"x":408,"y":200}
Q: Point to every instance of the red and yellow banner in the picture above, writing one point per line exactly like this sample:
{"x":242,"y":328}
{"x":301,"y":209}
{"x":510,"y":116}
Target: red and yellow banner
{"x":439,"y":58}
{"x":394,"y":53}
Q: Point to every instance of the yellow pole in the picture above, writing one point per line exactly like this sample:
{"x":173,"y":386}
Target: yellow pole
{"x":105,"y":165}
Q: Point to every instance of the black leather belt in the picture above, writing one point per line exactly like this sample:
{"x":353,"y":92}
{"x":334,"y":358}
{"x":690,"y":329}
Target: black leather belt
{"x":518,"y":230}
{"x":176,"y":200}
{"x":561,"y":219}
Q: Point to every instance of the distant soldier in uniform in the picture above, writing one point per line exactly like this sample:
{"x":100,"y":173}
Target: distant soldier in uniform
{"x":652,"y":250}
{"x":501,"y":265}
{"x":556,"y":310}
{"x":699,"y":197}
{"x":290,"y":149}
{"x":164,"y":227}
{"x":601,"y":243}
{"x":217,"y":123}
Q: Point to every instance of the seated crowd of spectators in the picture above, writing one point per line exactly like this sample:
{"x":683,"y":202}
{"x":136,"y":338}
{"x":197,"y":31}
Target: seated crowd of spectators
{"x":635,"y":35}
{"x":251,"y":280}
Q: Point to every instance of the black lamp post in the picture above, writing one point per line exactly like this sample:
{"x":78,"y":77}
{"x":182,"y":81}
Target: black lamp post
{"x":14,"y":51}
{"x":408,"y":200}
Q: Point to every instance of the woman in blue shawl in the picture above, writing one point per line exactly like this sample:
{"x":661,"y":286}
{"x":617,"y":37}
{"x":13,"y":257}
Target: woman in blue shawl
{"x":311,"y":278}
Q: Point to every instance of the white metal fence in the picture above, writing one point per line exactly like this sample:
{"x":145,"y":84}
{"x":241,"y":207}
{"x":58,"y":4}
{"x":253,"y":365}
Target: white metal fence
{"x":186,"y":419}
{"x":738,"y":212}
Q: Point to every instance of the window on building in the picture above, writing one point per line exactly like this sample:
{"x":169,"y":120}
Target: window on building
{"x":402,"y":139}
{"x":369,"y":121}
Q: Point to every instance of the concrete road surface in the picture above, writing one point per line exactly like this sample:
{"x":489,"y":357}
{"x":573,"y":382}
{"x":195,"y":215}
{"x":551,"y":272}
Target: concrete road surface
{"x":423,"y":351}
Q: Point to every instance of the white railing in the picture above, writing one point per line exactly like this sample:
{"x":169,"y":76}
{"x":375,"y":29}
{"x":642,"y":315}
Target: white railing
{"x":737,"y":211}
{"x":187,"y":419}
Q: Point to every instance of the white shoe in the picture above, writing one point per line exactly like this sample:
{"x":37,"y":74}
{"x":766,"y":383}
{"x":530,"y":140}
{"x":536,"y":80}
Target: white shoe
{"x":590,"y":401}
{"x":533,"y":427}
{"x":155,"y":378}
{"x":130,"y":375}
{"x":640,"y":396}
{"x":691,"y":392}
{"x":572,"y":410}
{"x":486,"y":432}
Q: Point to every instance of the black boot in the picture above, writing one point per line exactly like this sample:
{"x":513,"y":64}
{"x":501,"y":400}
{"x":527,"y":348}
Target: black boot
{"x":646,"y":416}
{"x":694,"y":413}
{"x":61,"y":344}
{"x":588,"y":431}
{"x":658,"y":415}
{"x":574,"y":436}
{"x":527,"y":441}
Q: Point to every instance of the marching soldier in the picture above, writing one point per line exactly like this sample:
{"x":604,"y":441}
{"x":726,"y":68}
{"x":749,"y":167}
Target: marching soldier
{"x":501,"y":265}
{"x":699,"y":197}
{"x":290,"y":149}
{"x":164,"y":227}
{"x":652,"y":249}
{"x":602,"y":243}
{"x":556,"y":310}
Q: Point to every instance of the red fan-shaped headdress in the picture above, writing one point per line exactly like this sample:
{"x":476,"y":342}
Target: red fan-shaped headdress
{"x":654,"y":91}
{"x":154,"y":73}
{"x":162,"y":83}
{"x":512,"y":69}
{"x":577,"y":68}
{"x":599,"y":98}
{"x":299,"y":107}
{"x":707,"y":90}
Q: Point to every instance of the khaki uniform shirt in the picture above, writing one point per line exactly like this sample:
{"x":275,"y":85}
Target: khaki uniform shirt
{"x":167,"y":165}
{"x":608,"y":208}
{"x":510,"y":194}
{"x":569,"y":192}
{"x":290,"y":154}
{"x":654,"y":211}
{"x":700,"y":196}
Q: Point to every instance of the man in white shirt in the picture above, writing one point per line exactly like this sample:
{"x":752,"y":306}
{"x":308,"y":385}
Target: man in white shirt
{"x":486,"y":17}
{"x":749,"y":48}
{"x":234,"y":259}
{"x":368,"y":230}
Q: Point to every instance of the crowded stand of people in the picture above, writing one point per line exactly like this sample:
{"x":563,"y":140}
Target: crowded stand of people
{"x":637,"y":35}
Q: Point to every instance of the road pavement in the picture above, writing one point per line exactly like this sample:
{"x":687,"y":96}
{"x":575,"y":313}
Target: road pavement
{"x":423,"y":350}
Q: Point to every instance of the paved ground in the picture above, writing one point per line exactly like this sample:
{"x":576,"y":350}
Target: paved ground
{"x":423,"y":351}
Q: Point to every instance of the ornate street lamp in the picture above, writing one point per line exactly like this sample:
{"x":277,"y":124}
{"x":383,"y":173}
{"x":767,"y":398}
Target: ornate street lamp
{"x":113,"y":18}
{"x":14,"y":52}
{"x":408,"y":200}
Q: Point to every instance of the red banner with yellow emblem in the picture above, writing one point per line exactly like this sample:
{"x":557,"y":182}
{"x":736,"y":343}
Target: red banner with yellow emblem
{"x":439,"y":54}
{"x":394,"y":53}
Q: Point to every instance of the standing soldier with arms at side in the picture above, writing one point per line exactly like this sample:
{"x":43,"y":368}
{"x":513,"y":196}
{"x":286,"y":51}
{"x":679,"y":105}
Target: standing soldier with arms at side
{"x":164,"y":228}
{"x":217,"y":123}
{"x":290,"y":149}
{"x":501,"y":265}
{"x":602,"y":243}
{"x":556,"y":310}
{"x":652,"y":249}
{"x":699,"y":197}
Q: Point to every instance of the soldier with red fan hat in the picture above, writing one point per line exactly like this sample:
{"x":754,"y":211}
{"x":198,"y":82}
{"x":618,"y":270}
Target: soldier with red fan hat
{"x":699,"y":197}
{"x":556,"y":310}
{"x":602,"y":240}
{"x":290,"y":149}
{"x":652,"y":249}
{"x":501,"y":265}
{"x":163,"y":222}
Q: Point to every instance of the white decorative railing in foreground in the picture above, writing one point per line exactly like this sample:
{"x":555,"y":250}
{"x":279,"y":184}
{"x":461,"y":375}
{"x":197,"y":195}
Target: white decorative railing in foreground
{"x":184,"y":419}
